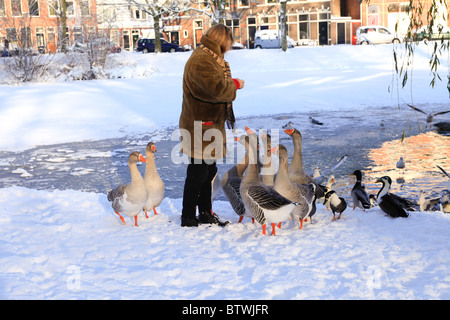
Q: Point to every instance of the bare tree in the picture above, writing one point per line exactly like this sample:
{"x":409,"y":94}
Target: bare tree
{"x":158,"y":9}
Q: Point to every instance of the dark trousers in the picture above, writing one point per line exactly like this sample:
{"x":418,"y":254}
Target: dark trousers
{"x":197,"y":187}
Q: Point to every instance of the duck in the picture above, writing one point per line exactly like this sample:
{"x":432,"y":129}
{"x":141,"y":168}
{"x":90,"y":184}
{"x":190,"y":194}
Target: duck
{"x":443,"y":126}
{"x":314,"y":121}
{"x":153,"y":182}
{"x":400,"y":163}
{"x":303,"y":194}
{"x":231,"y":183}
{"x":295,"y":170}
{"x":389,"y":202}
{"x":359,"y":195}
{"x":327,"y":188}
{"x":430,"y":116}
{"x":264,"y":203}
{"x":129,"y":199}
{"x":427,"y":204}
{"x":335,"y":203}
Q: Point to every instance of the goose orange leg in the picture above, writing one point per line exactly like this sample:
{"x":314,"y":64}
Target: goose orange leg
{"x":264,"y":229}
{"x":135,"y":221}
{"x":154,"y":210}
{"x":273,"y":228}
{"x":121,"y":218}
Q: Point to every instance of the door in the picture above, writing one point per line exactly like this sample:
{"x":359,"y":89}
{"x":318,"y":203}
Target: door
{"x":341,"y":33}
{"x":251,"y":36}
{"x":323,"y":33}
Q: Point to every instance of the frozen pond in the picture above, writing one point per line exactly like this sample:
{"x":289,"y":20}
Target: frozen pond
{"x":98,"y":166}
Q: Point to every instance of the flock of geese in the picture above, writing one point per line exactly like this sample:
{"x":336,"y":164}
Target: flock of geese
{"x":269,"y":198}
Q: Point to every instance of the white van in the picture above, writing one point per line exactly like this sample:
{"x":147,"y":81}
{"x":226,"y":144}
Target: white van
{"x":266,"y":39}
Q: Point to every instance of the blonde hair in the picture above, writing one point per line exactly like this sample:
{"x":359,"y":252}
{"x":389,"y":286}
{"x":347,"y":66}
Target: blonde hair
{"x":222,"y":35}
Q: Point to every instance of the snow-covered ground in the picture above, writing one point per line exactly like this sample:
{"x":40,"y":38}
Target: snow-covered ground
{"x":68,"y":244}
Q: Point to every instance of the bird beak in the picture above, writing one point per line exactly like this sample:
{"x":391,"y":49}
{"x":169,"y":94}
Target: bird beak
{"x":274,"y":149}
{"x":141,"y":158}
{"x":236,"y":139}
{"x":249,"y":131}
{"x":378,"y":180}
{"x":289,"y":131}
{"x":153,"y":148}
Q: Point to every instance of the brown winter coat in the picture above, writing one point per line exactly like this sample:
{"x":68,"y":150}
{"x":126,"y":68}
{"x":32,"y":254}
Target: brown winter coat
{"x":205,"y":97}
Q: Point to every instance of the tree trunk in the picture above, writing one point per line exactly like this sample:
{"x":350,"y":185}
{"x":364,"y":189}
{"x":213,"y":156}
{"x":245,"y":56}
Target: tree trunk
{"x":63,"y":34}
{"x":157,"y":34}
{"x":283,"y":18}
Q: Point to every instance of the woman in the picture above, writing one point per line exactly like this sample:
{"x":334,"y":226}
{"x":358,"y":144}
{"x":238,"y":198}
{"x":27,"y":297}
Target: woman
{"x":208,"y":91}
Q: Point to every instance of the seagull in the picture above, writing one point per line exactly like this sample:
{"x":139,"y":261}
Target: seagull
{"x":401,"y":163}
{"x":430,"y":116}
{"x":314,"y":121}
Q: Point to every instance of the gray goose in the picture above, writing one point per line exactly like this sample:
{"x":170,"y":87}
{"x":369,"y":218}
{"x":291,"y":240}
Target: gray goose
{"x":231,"y":183}
{"x":129,"y":199}
{"x":153,"y":182}
{"x":303,"y":194}
{"x":263,"y":202}
{"x":267,"y":170}
{"x":296,"y":173}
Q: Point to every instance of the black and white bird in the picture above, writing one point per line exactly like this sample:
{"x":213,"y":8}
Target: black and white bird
{"x":264,"y":203}
{"x":335,"y":203}
{"x":388,"y":202}
{"x":430,"y":116}
{"x":359,"y":195}
{"x":314,"y":121}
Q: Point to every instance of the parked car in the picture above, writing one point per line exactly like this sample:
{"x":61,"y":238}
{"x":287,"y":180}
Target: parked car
{"x":438,"y":32}
{"x":265,"y":39}
{"x":148,"y":45}
{"x":375,"y":35}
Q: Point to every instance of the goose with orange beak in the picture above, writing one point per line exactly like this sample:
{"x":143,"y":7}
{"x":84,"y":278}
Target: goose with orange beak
{"x":129,"y":199}
{"x":153,"y":182}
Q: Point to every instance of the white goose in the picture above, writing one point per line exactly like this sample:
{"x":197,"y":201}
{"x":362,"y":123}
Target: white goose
{"x":263,"y":202}
{"x":153,"y":182}
{"x":231,"y":183}
{"x":129,"y":199}
{"x":303,"y":194}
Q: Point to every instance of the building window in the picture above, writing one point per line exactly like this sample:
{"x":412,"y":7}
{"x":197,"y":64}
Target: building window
{"x":139,"y":14}
{"x":372,"y":14}
{"x":244,"y":3}
{"x":16,"y":8}
{"x":54,"y":10}
{"x":234,"y":25}
{"x":303,"y":26}
{"x":84,"y":8}
{"x":33,"y":7}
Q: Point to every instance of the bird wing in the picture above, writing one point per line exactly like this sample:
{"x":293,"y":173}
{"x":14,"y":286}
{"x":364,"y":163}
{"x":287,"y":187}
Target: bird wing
{"x":267,"y":198}
{"x":442,"y":112}
{"x":415,"y":108}
{"x":362,"y":197}
{"x":445,"y":172}
{"x":320,"y":178}
{"x":389,"y":205}
{"x":117,"y":192}
{"x":405,"y":203}
{"x":231,"y":190}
